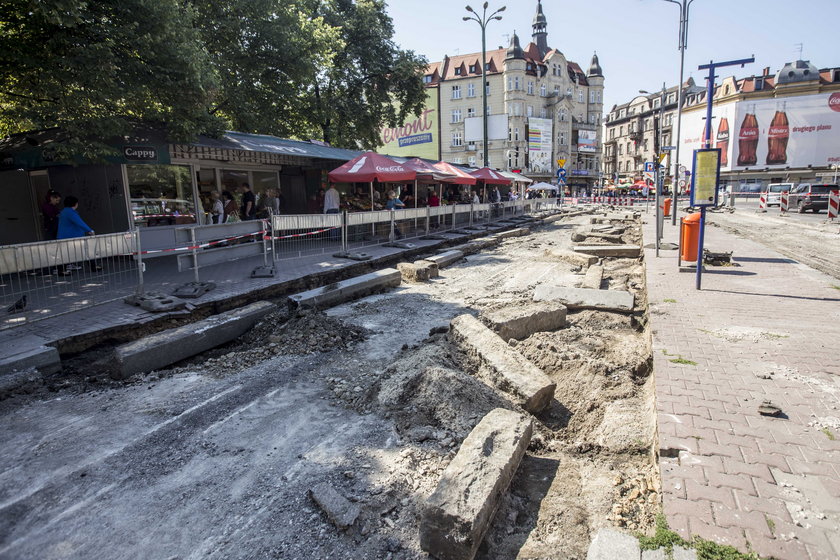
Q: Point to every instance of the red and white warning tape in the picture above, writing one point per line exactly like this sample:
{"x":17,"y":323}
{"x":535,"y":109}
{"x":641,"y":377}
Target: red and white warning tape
{"x":308,"y":233}
{"x":201,"y":245}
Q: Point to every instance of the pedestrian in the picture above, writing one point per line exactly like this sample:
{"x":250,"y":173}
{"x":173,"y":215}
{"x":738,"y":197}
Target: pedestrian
{"x":269,"y":204}
{"x":217,"y":208}
{"x":249,"y":202}
{"x":49,"y":213}
{"x":231,"y":212}
{"x":394,"y":203}
{"x":332,"y":201}
{"x":71,"y":225}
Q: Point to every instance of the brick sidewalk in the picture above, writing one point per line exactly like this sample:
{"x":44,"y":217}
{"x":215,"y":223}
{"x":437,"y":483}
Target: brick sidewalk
{"x":765,"y":329}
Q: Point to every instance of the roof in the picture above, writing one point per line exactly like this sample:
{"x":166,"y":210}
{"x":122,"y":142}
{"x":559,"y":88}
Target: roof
{"x":274,"y":145}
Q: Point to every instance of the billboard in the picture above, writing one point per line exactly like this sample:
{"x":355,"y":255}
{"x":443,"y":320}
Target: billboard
{"x":497,"y":128}
{"x":587,"y":141}
{"x":774,"y":133}
{"x":539,"y":145}
{"x":417,"y":136}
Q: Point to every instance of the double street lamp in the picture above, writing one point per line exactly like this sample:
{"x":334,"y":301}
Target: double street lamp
{"x":483,"y":20}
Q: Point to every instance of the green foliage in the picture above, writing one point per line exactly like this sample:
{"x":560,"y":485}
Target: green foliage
{"x":683,"y":361}
{"x":664,"y":537}
{"x":828,"y":433}
{"x":325,"y":69}
{"x":669,"y":300}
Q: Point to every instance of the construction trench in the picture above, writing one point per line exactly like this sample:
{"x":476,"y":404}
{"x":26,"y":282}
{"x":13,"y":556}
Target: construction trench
{"x":491,"y":401}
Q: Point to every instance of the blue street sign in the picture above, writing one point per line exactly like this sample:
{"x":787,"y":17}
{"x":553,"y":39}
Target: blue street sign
{"x":649,"y":167}
{"x":561,"y":173}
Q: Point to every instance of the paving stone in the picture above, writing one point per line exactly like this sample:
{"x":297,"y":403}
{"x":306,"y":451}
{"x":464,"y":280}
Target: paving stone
{"x":583,"y":298}
{"x":339,"y":509}
{"x":446,"y":258}
{"x":456,"y":516}
{"x":531,"y":388}
{"x":346,"y":290}
{"x":594,"y":277}
{"x":610,"y":544}
{"x":576,"y":259}
{"x":521,"y":321}
{"x":629,"y":251}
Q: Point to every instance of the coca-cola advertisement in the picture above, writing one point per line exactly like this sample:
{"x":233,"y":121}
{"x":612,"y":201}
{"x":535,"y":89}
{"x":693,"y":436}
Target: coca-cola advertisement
{"x":770,"y":133}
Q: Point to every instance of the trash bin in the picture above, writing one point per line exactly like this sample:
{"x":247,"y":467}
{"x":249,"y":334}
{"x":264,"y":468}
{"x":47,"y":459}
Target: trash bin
{"x":689,"y":237}
{"x":667,"y":207}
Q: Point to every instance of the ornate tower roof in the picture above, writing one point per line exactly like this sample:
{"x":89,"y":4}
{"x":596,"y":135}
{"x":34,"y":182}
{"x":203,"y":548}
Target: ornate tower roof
{"x":515,"y":49}
{"x":540,"y":35}
{"x":595,"y":67}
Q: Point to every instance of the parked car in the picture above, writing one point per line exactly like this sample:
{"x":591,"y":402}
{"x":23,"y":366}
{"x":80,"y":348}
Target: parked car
{"x":774,"y":192}
{"x":809,"y":196}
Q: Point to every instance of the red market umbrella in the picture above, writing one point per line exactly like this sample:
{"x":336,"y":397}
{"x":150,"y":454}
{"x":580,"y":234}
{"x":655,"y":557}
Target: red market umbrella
{"x":371,"y":166}
{"x":428,"y":172}
{"x":490,"y":176}
{"x":461,"y":176}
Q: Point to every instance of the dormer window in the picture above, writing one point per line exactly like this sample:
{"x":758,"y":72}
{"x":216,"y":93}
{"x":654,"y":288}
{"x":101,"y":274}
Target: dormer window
{"x":759,"y":84}
{"x":458,"y":71}
{"x":427,"y":79}
{"x":473,"y":68}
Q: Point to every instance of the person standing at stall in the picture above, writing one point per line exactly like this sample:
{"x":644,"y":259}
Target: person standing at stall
{"x":249,"y":202}
{"x":49,"y":213}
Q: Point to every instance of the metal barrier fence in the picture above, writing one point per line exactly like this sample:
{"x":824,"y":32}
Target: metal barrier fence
{"x":40,"y":280}
{"x":48,"y":278}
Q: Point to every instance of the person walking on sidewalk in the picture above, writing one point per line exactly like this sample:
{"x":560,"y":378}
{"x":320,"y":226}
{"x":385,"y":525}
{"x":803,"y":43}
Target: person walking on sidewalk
{"x":71,"y":225}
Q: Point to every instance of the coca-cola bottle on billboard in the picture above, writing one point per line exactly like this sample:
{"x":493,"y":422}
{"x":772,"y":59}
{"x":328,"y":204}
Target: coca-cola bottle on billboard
{"x":723,"y":141}
{"x":748,"y":139}
{"x":777,"y":137}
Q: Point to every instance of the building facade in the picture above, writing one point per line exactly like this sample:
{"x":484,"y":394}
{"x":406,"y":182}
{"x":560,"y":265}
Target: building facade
{"x":541,"y":108}
{"x":770,"y":128}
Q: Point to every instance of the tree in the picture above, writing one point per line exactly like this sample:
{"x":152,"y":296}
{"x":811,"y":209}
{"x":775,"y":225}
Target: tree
{"x":369,"y":83}
{"x":94,"y":68}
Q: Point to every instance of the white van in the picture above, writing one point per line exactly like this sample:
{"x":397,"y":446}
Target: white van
{"x":774,"y":191}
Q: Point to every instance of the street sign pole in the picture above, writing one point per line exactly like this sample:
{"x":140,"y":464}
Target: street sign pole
{"x":707,"y":143}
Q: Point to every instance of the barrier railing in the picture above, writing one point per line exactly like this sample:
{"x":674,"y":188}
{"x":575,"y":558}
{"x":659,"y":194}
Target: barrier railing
{"x":48,"y":278}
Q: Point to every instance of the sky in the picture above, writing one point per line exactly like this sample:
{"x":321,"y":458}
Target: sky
{"x":636,"y":40}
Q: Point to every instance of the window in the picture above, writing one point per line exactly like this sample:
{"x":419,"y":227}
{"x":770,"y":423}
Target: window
{"x":516,"y":133}
{"x":473,"y":68}
{"x":470,"y":90}
{"x":457,"y":139}
{"x":487,"y":88}
{"x":656,"y":103}
{"x":672,"y":98}
{"x":530,"y":88}
{"x":486,"y":66}
{"x":620,"y":165}
{"x":427,"y":79}
{"x":557,"y":90}
{"x":456,"y":116}
{"x":562,"y":114}
{"x":543,"y":112}
{"x":591,"y":118}
{"x":569,"y":91}
{"x":456,"y":92}
{"x":580,"y":95}
{"x":470,"y":112}
{"x":458,"y":160}
{"x":591,"y":96}
{"x":599,"y":96}
{"x":621,"y":131}
{"x":612,"y":133}
{"x":620,"y":149}
{"x":471,"y":161}
{"x":458,"y":71}
{"x":517,"y":109}
{"x":542,"y":90}
{"x":622,"y":113}
{"x":562,"y":138}
{"x":530,"y":111}
{"x":516,"y":83}
{"x":164,"y":189}
{"x":510,"y":83}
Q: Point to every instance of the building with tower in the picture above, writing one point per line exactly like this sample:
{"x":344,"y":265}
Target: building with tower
{"x":541,"y":107}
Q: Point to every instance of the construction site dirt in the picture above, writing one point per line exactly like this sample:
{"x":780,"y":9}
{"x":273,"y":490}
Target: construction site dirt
{"x":217,"y":456}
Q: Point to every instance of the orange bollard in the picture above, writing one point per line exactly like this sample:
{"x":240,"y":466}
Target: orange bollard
{"x":667,"y":207}
{"x":689,"y":236}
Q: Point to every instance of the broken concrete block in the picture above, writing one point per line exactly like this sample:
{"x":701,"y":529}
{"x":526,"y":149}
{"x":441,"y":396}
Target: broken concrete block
{"x":434,"y":271}
{"x":584,"y":298}
{"x":446,"y":258}
{"x":457,"y":515}
{"x":577,"y":259}
{"x":513,"y":373}
{"x":167,"y":347}
{"x":346,"y":290}
{"x":28,"y":353}
{"x":632,"y":251}
{"x":594,"y":276}
{"x":412,"y":273}
{"x":518,"y":232}
{"x":610,"y":544}
{"x":341,"y":511}
{"x":521,"y":321}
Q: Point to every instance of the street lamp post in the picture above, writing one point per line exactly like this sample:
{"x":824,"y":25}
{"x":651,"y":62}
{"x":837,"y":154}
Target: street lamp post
{"x":659,"y":177}
{"x":483,"y":20}
{"x":683,"y":40}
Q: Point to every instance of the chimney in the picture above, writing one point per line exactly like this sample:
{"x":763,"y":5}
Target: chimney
{"x":766,"y":71}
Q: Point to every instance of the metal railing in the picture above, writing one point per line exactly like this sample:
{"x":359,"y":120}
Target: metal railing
{"x":44,"y":279}
{"x":48,"y":278}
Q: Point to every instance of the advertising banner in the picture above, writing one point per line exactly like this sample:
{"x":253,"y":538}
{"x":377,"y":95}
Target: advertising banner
{"x":775,"y":133}
{"x":587,"y":141}
{"x":497,"y":128}
{"x":539,"y":145}
{"x":418,"y":136}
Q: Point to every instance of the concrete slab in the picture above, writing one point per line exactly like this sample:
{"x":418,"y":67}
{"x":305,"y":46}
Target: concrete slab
{"x":577,"y":259}
{"x":167,"y":347}
{"x":521,"y":321}
{"x":584,"y":298}
{"x":594,"y":277}
{"x":346,"y":290}
{"x":446,"y":258}
{"x":341,"y":511}
{"x":681,"y":553}
{"x":434,"y":270}
{"x":610,"y":544}
{"x":517,"y":232}
{"x":513,"y":373}
{"x":412,"y":272}
{"x":29,"y":353}
{"x":632,"y":251}
{"x":658,"y":554}
{"x":457,"y":515}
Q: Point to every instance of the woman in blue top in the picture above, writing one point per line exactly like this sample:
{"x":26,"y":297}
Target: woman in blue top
{"x":70,"y":224}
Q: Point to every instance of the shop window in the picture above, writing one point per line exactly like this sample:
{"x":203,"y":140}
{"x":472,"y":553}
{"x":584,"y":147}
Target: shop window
{"x":161,"y":195}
